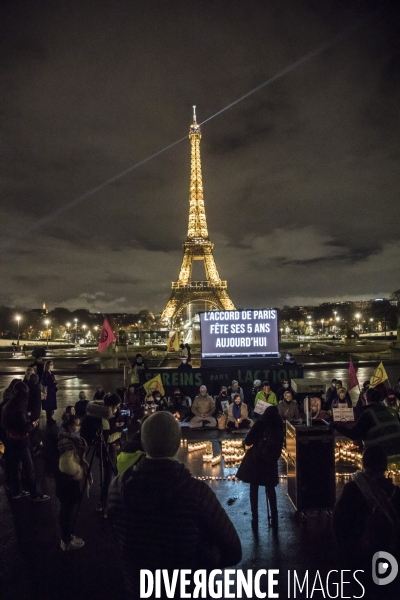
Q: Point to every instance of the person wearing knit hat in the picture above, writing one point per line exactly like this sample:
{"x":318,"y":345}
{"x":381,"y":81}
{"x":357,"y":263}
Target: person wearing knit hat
{"x":162,"y":517}
{"x":161,"y":435}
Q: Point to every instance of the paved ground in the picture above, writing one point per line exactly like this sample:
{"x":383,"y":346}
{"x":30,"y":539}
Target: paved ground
{"x":33,"y":568}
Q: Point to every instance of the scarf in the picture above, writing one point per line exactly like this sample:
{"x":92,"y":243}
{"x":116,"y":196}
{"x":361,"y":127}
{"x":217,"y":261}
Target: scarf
{"x":67,"y":443}
{"x":237,"y":411}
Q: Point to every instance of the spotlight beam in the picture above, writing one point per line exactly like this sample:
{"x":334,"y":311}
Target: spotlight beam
{"x":62,"y":209}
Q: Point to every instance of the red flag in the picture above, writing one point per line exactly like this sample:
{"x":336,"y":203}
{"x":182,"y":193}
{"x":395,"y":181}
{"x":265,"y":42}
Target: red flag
{"x":353,"y":381}
{"x":106,"y":337}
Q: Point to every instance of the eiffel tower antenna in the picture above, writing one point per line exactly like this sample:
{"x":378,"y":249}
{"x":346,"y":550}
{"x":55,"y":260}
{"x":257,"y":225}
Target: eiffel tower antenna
{"x":185,"y":291}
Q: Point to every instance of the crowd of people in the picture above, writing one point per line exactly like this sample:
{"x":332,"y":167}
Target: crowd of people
{"x":136,"y":438}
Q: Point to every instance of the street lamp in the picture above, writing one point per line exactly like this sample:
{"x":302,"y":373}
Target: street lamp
{"x":84,"y":330}
{"x":68,"y":334}
{"x":309,"y":324}
{"x":96,"y":328}
{"x":358,"y":317}
{"x":18,"y":318}
{"x":76,"y":331}
{"x":47,"y":332}
{"x":322,"y":323}
{"x":371,"y":326}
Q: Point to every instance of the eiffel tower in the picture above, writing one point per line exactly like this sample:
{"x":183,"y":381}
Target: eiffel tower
{"x":185,"y":291}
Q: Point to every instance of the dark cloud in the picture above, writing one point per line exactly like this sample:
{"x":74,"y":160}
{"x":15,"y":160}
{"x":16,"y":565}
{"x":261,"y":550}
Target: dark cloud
{"x":301,"y":179}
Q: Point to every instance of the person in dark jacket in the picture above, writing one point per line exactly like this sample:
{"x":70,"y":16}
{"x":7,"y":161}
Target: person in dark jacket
{"x":260,"y":463}
{"x":28,"y":373}
{"x":288,"y":408}
{"x":342,"y":399}
{"x":81,"y":405}
{"x":362,"y":400}
{"x":38,"y":366}
{"x":112,"y":435}
{"x":160,"y":401}
{"x":72,"y":468}
{"x":34,"y":397}
{"x":366,"y":518}
{"x":235,"y":389}
{"x":179,"y":404}
{"x":138,"y":371}
{"x":132,"y":399}
{"x":16,"y":423}
{"x":391,"y":401}
{"x":164,"y":517}
{"x":330,"y":394}
{"x":189,"y":350}
{"x":34,"y":408}
{"x":7,"y":395}
{"x":99,"y":393}
{"x":378,"y":425}
{"x":49,"y":383}
{"x":184,"y":366}
{"x":285,"y":388}
{"x":223,"y":397}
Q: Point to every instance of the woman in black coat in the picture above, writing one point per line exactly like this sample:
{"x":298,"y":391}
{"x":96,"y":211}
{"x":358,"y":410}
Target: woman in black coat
{"x":49,"y":382}
{"x":260,"y":464}
{"x":34,"y":407}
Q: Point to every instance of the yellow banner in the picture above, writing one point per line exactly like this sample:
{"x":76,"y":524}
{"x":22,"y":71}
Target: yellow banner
{"x":379,"y":376}
{"x":154,"y":384}
{"x":173,"y":342}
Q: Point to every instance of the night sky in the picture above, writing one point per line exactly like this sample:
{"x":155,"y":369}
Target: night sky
{"x":301,"y":179}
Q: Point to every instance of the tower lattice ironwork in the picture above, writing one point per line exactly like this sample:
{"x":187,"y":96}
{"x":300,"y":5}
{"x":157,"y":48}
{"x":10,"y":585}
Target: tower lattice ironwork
{"x":197,"y":247}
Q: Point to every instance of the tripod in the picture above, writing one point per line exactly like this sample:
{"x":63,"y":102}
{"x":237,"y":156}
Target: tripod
{"x":100,"y":450}
{"x":268,"y":513}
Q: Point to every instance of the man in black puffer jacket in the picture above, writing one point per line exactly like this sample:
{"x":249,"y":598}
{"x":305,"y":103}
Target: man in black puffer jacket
{"x":163,"y":517}
{"x":17,"y":425}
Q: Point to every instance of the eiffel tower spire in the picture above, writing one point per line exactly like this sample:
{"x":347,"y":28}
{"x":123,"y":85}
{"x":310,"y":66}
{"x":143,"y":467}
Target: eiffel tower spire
{"x":197,"y":214}
{"x":197,"y":247}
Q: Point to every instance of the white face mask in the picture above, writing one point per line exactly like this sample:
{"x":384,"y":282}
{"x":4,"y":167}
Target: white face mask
{"x":285,"y":385}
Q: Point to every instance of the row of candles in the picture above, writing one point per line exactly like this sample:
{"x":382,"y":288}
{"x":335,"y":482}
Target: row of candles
{"x":214,"y":460}
{"x":194,"y":446}
{"x":212,"y":478}
{"x":348,"y":452}
{"x":232,"y":451}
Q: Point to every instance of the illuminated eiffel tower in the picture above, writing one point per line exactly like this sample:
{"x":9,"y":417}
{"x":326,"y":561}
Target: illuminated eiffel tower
{"x":185,"y":292}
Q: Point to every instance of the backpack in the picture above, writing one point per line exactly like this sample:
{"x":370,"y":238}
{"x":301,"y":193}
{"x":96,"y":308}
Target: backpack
{"x":382,"y":526}
{"x":381,"y":533}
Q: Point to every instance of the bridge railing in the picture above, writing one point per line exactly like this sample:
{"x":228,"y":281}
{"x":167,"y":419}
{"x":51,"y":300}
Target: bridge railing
{"x":199,"y":285}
